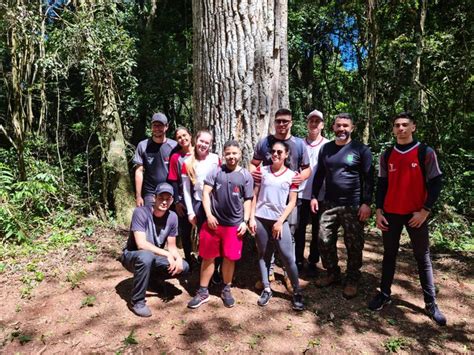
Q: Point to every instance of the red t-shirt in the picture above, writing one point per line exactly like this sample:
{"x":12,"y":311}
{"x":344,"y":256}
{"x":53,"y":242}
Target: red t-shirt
{"x":406,"y":191}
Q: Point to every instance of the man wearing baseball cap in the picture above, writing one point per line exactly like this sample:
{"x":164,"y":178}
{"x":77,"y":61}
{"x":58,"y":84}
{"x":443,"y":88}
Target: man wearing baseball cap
{"x":313,"y":143}
{"x":145,"y":255}
{"x":151,"y":160}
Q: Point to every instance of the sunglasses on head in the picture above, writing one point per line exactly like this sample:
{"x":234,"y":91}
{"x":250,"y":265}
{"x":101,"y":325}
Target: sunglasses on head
{"x":283,"y":122}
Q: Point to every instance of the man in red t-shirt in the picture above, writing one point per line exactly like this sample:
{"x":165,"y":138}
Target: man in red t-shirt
{"x":407,"y":189}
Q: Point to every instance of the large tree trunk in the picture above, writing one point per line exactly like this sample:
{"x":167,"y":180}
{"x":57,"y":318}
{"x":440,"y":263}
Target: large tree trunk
{"x":240,"y":68}
{"x":116,"y":177}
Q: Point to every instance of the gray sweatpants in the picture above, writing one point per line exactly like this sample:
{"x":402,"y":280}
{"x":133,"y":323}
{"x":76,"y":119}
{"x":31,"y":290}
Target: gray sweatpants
{"x":146,"y":265}
{"x":266,"y":246}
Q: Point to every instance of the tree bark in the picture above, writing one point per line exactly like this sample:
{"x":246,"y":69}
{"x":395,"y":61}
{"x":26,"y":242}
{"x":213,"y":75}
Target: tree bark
{"x":420,"y":32}
{"x":370,"y":78}
{"x":240,"y":68}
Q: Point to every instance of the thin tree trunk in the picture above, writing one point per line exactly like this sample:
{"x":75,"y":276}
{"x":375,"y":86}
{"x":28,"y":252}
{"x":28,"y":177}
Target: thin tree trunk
{"x":420,"y":31}
{"x":240,"y":68}
{"x":370,"y":79}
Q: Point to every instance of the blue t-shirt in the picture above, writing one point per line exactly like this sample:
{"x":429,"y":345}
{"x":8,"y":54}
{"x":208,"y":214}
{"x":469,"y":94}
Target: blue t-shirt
{"x":156,"y":229}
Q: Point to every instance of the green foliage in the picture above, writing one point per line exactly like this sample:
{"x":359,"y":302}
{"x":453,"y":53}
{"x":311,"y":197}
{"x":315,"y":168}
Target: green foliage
{"x":88,"y":301}
{"x":452,"y":231}
{"x":395,"y":344}
{"x":75,"y":278}
{"x":130,"y":339}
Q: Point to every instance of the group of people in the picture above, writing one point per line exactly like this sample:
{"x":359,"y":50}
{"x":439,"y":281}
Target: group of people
{"x":289,"y":183}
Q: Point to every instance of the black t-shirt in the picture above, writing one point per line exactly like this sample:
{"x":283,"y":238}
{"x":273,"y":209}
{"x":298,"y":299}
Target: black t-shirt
{"x":347,"y":171}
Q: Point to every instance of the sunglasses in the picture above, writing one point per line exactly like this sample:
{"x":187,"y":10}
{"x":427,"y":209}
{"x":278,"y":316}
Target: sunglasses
{"x":282,"y":122}
{"x":278,"y":152}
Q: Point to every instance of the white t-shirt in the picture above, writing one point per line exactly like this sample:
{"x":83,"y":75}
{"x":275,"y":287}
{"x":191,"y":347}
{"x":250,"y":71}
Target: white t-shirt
{"x":201,"y":168}
{"x":313,"y":149}
{"x":274,"y":190}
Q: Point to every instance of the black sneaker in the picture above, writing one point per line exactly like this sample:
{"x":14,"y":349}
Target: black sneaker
{"x":297,"y":302}
{"x":226,"y":296}
{"x":264,"y":298}
{"x":200,"y":298}
{"x":379,"y":301}
{"x":434,"y":313}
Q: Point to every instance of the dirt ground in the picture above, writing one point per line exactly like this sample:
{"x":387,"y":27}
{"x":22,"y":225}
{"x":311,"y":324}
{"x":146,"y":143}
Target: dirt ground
{"x":56,"y":320}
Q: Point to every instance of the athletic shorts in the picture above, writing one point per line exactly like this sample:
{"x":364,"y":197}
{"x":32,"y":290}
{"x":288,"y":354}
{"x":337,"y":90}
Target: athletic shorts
{"x":222,"y":241}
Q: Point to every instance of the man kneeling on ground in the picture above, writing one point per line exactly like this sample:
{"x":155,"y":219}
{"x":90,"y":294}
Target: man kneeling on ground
{"x":144,"y":255}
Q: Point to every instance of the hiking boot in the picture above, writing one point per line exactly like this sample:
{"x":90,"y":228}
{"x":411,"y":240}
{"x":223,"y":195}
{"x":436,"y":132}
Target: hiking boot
{"x":141,"y":309}
{"x":350,"y":289}
{"x":297,"y":302}
{"x":226,"y":296}
{"x":200,"y":298}
{"x":327,"y":280}
{"x":379,"y":301}
{"x":288,"y":284}
{"x":264,"y":298}
{"x":434,"y":313}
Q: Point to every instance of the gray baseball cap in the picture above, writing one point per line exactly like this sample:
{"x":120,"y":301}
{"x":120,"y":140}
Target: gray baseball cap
{"x":163,"y":187}
{"x":159,"y":117}
{"x":315,"y":113}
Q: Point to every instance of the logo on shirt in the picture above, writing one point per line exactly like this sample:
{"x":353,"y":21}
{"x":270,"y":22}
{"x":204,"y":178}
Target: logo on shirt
{"x":350,"y":158}
{"x":150,"y":160}
{"x":236,"y":191}
{"x":391,"y":168}
{"x":414,"y":165}
{"x":218,"y":186}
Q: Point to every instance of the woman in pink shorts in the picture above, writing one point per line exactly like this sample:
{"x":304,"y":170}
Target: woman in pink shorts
{"x":227,"y":196}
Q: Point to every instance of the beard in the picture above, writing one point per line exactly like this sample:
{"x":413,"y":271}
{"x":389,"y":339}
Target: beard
{"x":342,"y":136}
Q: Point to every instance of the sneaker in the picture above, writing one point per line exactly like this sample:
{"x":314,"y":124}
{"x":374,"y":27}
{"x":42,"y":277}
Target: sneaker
{"x":227,"y":297}
{"x":350,"y":289}
{"x":297,"y":302}
{"x":327,"y":280}
{"x":141,"y":309}
{"x":434,"y":313}
{"x":379,"y":301}
{"x":264,"y":298}
{"x":200,"y":298}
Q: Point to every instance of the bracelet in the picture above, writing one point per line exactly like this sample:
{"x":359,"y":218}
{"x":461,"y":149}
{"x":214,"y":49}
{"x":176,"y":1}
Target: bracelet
{"x":427,"y":209}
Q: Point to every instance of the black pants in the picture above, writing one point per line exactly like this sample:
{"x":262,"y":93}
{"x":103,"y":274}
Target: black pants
{"x":305,"y":215}
{"x":421,"y":249}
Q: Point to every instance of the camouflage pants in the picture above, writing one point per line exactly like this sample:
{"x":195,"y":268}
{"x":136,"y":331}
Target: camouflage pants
{"x":332,"y":218}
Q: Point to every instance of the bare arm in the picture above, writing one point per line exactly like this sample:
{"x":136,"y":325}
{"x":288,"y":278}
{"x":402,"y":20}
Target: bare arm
{"x":178,"y":261}
{"x":206,"y":204}
{"x":139,"y":170}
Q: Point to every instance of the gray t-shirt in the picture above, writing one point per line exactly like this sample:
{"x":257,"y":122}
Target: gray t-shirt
{"x":299,"y":157}
{"x":157,"y":229}
{"x":155,"y":158}
{"x":230,"y":190}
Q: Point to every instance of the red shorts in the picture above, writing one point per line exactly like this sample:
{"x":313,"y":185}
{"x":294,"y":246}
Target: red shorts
{"x":222,"y":241}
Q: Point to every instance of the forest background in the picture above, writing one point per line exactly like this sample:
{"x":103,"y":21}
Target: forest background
{"x":80,"y":81}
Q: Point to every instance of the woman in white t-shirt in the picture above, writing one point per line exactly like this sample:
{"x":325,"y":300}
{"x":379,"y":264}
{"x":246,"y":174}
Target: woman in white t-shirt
{"x":193,"y":173}
{"x":274,"y":199}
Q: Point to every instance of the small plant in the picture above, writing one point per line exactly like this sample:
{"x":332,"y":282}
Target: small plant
{"x":130,"y":338}
{"x":22,"y":338}
{"x":88,"y":301}
{"x":75,"y":278}
{"x":255,"y":340}
{"x":394,"y":344}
